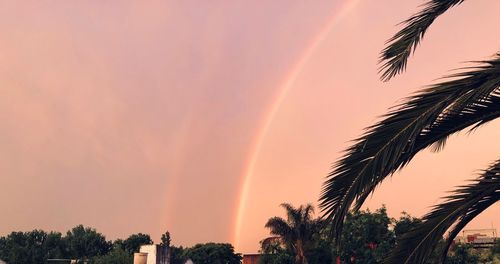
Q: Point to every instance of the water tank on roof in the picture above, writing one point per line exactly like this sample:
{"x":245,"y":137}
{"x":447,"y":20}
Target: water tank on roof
{"x":140,"y":258}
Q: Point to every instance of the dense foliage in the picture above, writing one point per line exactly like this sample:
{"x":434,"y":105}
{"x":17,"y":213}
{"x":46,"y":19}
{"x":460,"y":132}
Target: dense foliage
{"x":37,"y":246}
{"x":367,"y":237}
{"x":212,"y":253}
{"x":31,"y":247}
{"x":134,"y":242}
{"x":85,"y":243}
{"x":115,"y":256}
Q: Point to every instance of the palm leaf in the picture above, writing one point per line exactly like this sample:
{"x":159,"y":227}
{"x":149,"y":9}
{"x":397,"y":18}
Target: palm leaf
{"x":279,"y":227}
{"x":307,"y":212}
{"x":462,"y":100}
{"x":459,"y":209}
{"x":476,"y":115}
{"x":395,"y":56}
{"x":294,"y":215}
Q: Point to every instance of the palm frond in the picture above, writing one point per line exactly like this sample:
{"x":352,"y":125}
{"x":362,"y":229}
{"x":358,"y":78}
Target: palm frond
{"x":395,"y":56}
{"x":458,"y":118}
{"x":278,"y":226}
{"x":294,"y":215}
{"x":307,"y":212}
{"x":459,"y":209}
{"x":462,"y":100}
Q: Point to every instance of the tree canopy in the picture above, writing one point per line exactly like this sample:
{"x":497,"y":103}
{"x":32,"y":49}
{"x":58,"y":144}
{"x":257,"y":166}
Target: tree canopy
{"x":134,"y":242}
{"x":212,"y":253}
{"x":85,"y":243}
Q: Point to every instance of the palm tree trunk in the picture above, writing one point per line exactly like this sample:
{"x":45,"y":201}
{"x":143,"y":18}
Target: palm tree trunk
{"x":300,"y":257}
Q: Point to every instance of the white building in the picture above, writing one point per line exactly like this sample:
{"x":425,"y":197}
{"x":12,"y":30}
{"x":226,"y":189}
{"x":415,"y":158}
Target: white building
{"x":154,"y":254}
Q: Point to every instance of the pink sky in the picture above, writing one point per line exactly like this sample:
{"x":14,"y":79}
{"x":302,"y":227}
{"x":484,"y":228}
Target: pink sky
{"x":147,"y":116}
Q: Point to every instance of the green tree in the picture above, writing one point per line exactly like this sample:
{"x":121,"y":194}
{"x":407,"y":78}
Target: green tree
{"x":177,"y":255}
{"x":272,"y":245}
{"x":54,"y":246}
{"x":213,"y":253}
{"x":366,"y":237}
{"x":115,"y":256}
{"x":405,"y":223}
{"x":31,"y":247}
{"x":3,"y":248}
{"x":273,"y":251}
{"x":118,"y":243}
{"x":20,"y":247}
{"x":321,"y":253}
{"x":494,"y":253}
{"x":462,"y":254}
{"x":165,"y":239}
{"x":297,"y":230}
{"x":133,"y":243}
{"x":86,"y":243}
{"x":495,"y":250}
{"x":281,"y":257}
{"x":464,"y":100}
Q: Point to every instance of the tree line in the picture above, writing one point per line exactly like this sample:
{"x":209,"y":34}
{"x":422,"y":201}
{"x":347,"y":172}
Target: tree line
{"x":85,"y":243}
{"x":80,"y":242}
{"x":299,"y":238}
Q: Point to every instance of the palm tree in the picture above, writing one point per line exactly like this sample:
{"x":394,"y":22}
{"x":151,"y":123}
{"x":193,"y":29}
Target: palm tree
{"x":465,"y":100}
{"x":296,"y":231}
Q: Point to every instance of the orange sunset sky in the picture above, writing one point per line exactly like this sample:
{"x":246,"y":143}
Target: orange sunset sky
{"x":201,"y":117}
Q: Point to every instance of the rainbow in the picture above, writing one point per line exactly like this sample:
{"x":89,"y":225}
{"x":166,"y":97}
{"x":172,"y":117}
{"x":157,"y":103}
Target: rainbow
{"x":289,"y":80}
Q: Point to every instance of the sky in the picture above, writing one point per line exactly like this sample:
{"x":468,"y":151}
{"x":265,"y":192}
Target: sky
{"x":201,"y":117}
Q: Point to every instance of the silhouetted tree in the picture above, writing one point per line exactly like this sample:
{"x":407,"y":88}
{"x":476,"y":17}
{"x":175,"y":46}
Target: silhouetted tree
{"x":133,"y":243}
{"x":115,"y":256}
{"x":297,"y":230}
{"x":31,"y":247}
{"x":405,"y":223}
{"x":86,"y":243}
{"x":177,"y":255}
{"x":213,"y":253}
{"x":165,"y":239}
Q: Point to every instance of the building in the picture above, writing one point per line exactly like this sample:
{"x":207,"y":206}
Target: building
{"x":478,"y":238}
{"x":251,"y":258}
{"x":152,"y":254}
